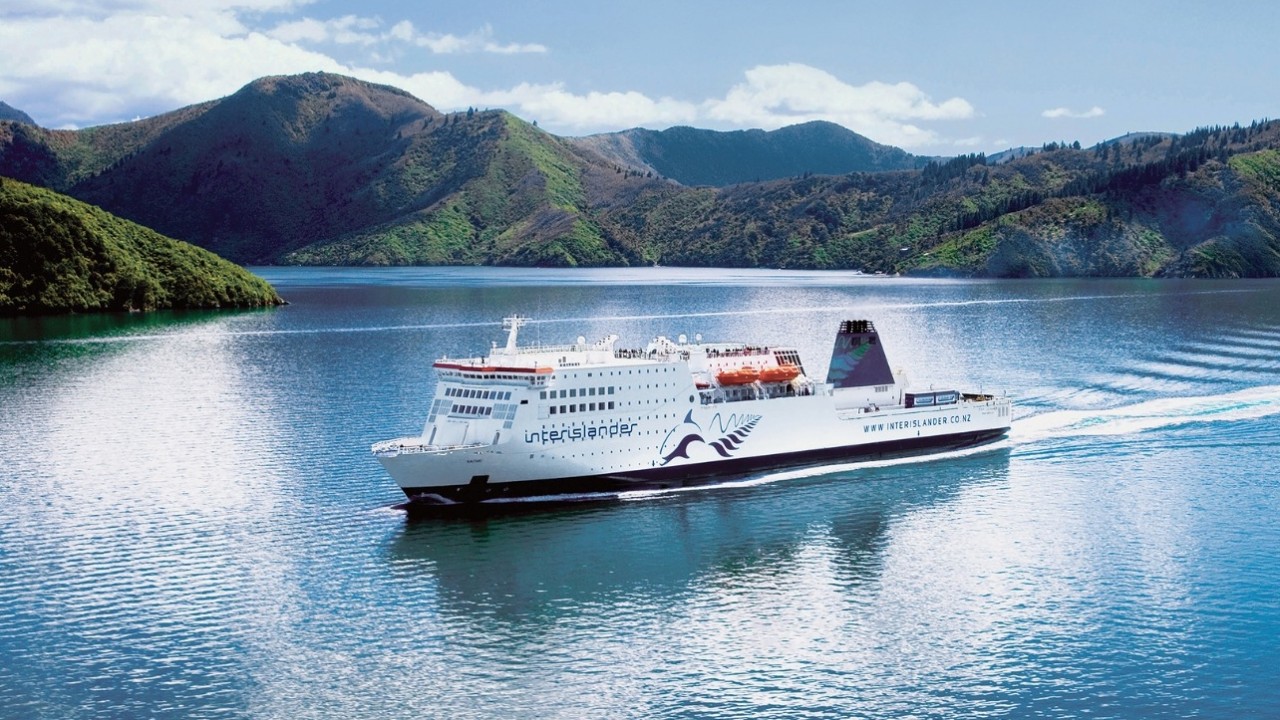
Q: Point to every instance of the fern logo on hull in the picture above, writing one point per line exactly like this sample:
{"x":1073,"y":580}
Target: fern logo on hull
{"x":688,"y":440}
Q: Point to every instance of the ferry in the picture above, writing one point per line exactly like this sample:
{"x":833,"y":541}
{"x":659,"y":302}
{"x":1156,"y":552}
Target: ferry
{"x":587,"y":418}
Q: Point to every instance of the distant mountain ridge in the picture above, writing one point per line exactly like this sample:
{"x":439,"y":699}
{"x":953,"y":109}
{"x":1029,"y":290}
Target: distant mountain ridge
{"x":325,"y":169}
{"x":691,"y":156}
{"x":8,"y":112}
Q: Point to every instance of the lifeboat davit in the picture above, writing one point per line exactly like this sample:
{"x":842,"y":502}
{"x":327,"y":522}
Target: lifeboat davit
{"x":741,"y":376}
{"x":781,"y":373}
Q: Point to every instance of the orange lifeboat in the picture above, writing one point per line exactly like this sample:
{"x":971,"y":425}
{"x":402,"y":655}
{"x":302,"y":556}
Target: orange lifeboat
{"x":781,"y":373}
{"x":741,"y":376}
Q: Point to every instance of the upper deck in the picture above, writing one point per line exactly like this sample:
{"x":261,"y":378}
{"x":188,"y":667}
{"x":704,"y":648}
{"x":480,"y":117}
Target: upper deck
{"x":709,"y":363}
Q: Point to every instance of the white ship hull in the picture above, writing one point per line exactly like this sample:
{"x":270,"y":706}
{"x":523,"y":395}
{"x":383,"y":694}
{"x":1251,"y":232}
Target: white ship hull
{"x":660,"y":418}
{"x":789,"y":435}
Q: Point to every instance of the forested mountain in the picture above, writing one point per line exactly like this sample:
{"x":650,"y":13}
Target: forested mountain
{"x":1203,"y":204}
{"x":60,"y":255}
{"x":706,"y":157}
{"x":365,"y":173}
{"x":325,"y":169}
{"x":9,"y":112}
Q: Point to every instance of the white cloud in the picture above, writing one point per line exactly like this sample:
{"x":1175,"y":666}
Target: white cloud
{"x":354,"y":30}
{"x":100,"y":9}
{"x":77,"y":71}
{"x":478,"y":41}
{"x":1062,"y":112}
{"x":131,"y":57}
{"x":777,"y":95}
{"x":346,"y":30}
{"x":553,"y":106}
{"x":110,"y":59}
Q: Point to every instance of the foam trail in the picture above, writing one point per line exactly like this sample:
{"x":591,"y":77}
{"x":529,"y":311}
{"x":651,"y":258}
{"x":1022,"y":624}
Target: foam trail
{"x":1246,"y":404}
{"x":1163,"y":412}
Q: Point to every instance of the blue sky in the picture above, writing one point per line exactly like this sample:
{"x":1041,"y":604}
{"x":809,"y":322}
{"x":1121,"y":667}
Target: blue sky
{"x":932,"y":77}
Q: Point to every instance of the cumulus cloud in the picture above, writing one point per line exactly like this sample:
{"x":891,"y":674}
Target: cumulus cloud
{"x":777,"y":95}
{"x":1062,"y":112}
{"x":73,"y":71}
{"x":554,"y":106}
{"x":72,"y":63}
{"x":478,"y":41}
{"x":346,"y":30}
{"x":115,"y":59}
{"x":353,"y":30}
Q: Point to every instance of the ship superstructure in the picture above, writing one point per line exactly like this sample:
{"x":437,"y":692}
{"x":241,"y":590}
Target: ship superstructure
{"x":594,"y":417}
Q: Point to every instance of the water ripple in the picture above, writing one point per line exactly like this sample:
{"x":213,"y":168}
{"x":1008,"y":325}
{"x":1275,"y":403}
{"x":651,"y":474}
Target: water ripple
{"x":193,"y":527}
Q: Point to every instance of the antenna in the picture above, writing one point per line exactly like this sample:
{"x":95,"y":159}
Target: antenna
{"x":512,"y":325}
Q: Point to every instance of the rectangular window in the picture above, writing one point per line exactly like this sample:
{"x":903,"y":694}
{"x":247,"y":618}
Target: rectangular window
{"x":553,"y":409}
{"x":542,"y":395}
{"x":610,"y":389}
{"x":592,"y":391}
{"x":573,"y":392}
{"x":610,"y":404}
{"x":562,"y":409}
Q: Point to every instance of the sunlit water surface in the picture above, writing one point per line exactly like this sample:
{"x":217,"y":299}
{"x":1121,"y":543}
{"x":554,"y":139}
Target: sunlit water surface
{"x":193,"y":526}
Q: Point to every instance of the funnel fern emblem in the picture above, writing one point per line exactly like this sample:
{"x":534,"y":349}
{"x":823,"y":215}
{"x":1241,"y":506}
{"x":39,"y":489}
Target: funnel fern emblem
{"x":686,"y":440}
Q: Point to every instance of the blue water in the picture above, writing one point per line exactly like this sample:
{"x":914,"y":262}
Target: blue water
{"x":191,"y":524}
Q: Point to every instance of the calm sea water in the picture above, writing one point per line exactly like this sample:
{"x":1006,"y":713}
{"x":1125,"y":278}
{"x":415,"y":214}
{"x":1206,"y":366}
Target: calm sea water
{"x":191,"y":524}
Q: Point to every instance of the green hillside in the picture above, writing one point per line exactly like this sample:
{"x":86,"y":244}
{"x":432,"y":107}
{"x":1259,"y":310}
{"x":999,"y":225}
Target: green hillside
{"x":320,"y":168}
{"x":60,"y":255}
{"x":1201,"y":204}
{"x":325,"y":169}
{"x":524,"y":204}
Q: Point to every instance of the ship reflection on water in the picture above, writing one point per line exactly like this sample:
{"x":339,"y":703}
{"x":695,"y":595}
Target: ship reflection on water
{"x":540,"y":560}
